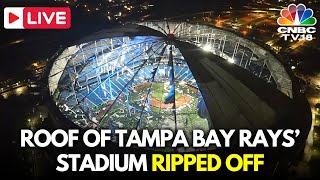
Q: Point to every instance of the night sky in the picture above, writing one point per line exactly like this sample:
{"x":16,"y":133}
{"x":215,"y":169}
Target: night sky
{"x":41,"y":44}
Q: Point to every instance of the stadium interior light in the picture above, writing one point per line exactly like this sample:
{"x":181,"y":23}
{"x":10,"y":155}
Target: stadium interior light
{"x":182,"y":83}
{"x":107,"y":55}
{"x":231,"y":60}
{"x":207,"y":47}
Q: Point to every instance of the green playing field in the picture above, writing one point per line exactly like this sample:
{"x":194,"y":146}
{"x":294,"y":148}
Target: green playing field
{"x":158,"y":91}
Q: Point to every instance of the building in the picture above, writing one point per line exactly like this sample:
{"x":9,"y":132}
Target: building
{"x":176,"y":75}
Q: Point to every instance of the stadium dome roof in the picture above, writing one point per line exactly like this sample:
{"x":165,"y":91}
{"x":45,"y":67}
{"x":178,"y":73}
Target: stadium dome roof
{"x":169,"y":75}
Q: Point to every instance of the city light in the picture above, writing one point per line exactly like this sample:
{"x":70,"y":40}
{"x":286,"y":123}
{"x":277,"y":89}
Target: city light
{"x":17,"y":41}
{"x":20,"y":90}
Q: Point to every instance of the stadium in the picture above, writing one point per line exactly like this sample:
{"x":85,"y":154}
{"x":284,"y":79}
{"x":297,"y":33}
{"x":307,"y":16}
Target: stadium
{"x":173,"y":75}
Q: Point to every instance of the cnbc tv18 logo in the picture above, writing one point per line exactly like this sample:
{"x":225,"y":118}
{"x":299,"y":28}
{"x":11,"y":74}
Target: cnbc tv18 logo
{"x":37,"y":18}
{"x":297,"y":23}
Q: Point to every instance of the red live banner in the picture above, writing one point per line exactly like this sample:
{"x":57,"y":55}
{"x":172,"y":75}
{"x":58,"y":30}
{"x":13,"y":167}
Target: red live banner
{"x":37,"y":18}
